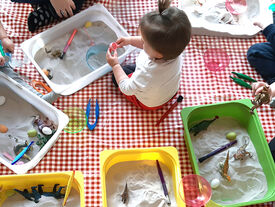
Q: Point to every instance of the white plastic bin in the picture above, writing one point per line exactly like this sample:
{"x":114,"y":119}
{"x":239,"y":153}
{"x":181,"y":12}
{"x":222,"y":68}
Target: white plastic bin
{"x":18,"y":95}
{"x":94,"y":13}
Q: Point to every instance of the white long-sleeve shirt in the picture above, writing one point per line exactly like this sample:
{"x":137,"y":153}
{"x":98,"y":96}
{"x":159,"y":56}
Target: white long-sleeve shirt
{"x":153,"y":82}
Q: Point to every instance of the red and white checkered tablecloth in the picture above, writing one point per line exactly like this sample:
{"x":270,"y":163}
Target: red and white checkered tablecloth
{"x":121,"y":125}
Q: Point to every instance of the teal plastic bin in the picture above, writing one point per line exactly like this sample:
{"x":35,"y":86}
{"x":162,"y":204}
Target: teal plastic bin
{"x":238,"y":110}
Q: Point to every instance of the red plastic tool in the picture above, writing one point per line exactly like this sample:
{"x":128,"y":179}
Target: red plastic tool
{"x":113,"y":46}
{"x":68,"y":43}
{"x":179,"y":99}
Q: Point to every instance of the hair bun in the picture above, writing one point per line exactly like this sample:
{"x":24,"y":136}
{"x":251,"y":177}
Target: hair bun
{"x":163,"y":4}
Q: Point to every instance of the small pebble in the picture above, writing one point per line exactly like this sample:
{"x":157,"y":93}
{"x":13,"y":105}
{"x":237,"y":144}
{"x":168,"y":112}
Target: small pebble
{"x":2,"y":100}
{"x":88,"y":24}
{"x":3,"y":128}
{"x":215,"y":183}
{"x":47,"y":131}
{"x":231,"y":136}
{"x":32,"y":133}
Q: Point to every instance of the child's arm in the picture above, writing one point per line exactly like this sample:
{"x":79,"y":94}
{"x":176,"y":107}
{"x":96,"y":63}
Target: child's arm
{"x":7,"y":44}
{"x":135,"y":41}
{"x":63,"y":8}
{"x":117,"y":69}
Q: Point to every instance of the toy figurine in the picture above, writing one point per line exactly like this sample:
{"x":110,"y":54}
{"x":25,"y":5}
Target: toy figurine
{"x":241,"y":152}
{"x":55,"y":53}
{"x":203,"y":125}
{"x":124,"y":195}
{"x":224,"y":168}
{"x":262,"y":98}
{"x":35,"y":195}
{"x":46,"y":126}
{"x":18,"y":148}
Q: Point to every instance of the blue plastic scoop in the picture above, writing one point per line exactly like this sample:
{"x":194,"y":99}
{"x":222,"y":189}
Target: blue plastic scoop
{"x":95,"y":50}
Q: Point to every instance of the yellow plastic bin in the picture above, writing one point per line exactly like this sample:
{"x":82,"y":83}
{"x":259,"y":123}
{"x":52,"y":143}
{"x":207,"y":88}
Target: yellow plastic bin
{"x":21,"y":182}
{"x":166,"y":155}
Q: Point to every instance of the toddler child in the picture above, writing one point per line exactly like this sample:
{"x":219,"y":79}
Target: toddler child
{"x":46,"y":11}
{"x":155,"y":78}
{"x":5,"y":68}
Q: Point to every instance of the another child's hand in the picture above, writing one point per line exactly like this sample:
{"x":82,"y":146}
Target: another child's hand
{"x":2,"y":60}
{"x":7,"y":45}
{"x":112,"y":59}
{"x":123,"y":41}
{"x":63,"y":8}
{"x":258,"y":87}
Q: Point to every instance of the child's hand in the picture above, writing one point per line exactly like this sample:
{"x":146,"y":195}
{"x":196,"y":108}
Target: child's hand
{"x":8,"y":45}
{"x":2,"y":60}
{"x":112,"y":59}
{"x":63,"y":8}
{"x":123,"y":41}
{"x":258,"y":87}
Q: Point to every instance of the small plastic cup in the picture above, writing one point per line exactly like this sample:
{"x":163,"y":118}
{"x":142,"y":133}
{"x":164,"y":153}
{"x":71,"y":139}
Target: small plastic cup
{"x":236,"y":7}
{"x":194,"y":190}
{"x":113,"y":46}
{"x":77,"y":120}
{"x":216,"y":59}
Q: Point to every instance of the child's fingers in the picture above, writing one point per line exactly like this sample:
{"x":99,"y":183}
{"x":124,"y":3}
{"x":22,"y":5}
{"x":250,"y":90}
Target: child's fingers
{"x":72,"y":5}
{"x":2,"y":61}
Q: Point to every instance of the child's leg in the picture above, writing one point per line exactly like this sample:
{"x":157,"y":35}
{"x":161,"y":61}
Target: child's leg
{"x":45,"y":14}
{"x":261,"y":56}
{"x":128,"y":69}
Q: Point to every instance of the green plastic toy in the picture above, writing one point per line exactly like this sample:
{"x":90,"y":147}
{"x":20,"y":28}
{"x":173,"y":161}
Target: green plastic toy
{"x":241,"y":82}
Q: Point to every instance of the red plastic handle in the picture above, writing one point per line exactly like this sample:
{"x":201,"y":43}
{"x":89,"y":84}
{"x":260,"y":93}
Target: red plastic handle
{"x":70,"y":40}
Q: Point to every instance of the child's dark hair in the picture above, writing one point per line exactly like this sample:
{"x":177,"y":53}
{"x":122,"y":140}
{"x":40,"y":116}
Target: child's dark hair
{"x":167,"y":30}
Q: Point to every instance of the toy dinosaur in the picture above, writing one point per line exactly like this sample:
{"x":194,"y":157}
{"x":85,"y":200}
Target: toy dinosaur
{"x":124,"y":195}
{"x":224,"y":168}
{"x":241,"y":152}
{"x":18,"y":148}
{"x":262,"y":98}
{"x":35,"y":195}
{"x":203,"y":125}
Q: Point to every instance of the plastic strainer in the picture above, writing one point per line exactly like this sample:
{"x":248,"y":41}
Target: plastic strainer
{"x":93,"y":53}
{"x":216,"y":59}
{"x":197,"y":191}
{"x":77,"y":120}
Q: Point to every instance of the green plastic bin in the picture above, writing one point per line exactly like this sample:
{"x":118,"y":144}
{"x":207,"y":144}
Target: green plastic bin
{"x":238,"y":110}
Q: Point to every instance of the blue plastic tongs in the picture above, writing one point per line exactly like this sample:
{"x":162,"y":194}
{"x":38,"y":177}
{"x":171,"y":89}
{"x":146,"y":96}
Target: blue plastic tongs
{"x":88,"y":109}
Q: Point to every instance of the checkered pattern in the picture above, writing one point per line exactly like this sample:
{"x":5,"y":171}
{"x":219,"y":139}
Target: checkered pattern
{"x":121,"y":125}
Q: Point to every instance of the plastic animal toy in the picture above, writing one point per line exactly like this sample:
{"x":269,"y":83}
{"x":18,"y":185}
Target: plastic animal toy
{"x":262,"y":98}
{"x":124,"y":195}
{"x":44,"y":124}
{"x":18,"y":148}
{"x":35,"y":195}
{"x":241,"y":152}
{"x":224,"y":168}
{"x":203,"y":125}
{"x":56,"y":53}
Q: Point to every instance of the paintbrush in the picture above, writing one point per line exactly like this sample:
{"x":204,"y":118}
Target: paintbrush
{"x":163,"y":184}
{"x":179,"y":99}
{"x":222,"y":148}
{"x":68,"y":43}
{"x":68,"y":189}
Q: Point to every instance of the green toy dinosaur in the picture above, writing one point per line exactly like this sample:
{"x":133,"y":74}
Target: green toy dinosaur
{"x":203,"y":125}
